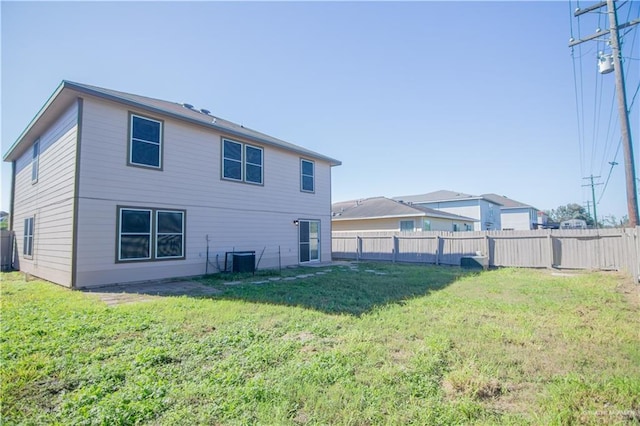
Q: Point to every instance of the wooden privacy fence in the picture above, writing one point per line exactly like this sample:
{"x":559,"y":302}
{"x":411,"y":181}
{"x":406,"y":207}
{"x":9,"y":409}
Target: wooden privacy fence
{"x":598,"y":249}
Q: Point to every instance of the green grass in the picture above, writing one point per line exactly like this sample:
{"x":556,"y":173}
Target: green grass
{"x":417,"y":345}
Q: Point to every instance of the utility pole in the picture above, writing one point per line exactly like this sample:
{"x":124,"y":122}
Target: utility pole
{"x":593,"y":196}
{"x":589,"y":207}
{"x":625,"y":132}
{"x":629,"y":167}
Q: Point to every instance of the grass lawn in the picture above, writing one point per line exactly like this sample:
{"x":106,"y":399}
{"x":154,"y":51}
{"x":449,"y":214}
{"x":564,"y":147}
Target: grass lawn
{"x":386,"y":344}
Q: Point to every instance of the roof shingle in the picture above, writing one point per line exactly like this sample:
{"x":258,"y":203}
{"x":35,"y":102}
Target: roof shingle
{"x":378,"y":207}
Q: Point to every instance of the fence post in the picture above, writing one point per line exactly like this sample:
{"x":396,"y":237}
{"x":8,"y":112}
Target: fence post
{"x":358,"y":247}
{"x":487,"y":248}
{"x":550,"y":239}
{"x":396,"y":246}
{"x":437,"y":249}
{"x":636,"y":237}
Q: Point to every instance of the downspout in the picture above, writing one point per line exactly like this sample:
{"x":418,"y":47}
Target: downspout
{"x":11,"y":204}
{"x":76,"y":199}
{"x":13,"y":193}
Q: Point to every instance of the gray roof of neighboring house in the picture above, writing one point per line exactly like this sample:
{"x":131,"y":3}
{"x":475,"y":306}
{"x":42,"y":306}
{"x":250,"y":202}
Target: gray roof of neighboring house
{"x":380,"y":207}
{"x":441,"y":196}
{"x":172,"y":109}
{"x":507,"y":203}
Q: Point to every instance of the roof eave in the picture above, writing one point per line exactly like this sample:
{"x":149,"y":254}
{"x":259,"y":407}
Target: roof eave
{"x":85,"y":90}
{"x":8,"y":156}
{"x":421,"y":214}
{"x":82,"y":89}
{"x":446,"y":200}
{"x":377,"y":217}
{"x":517,"y":207}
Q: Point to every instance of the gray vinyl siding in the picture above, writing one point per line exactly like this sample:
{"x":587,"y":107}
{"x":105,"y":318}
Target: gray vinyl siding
{"x":518,"y":219}
{"x":490,"y":216}
{"x":234,"y":215}
{"x":467,"y":208}
{"x":49,"y":200}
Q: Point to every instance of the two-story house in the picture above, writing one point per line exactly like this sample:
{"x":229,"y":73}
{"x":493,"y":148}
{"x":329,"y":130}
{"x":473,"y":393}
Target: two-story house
{"x":518,"y":216}
{"x":110,"y":187}
{"x":486,"y":212}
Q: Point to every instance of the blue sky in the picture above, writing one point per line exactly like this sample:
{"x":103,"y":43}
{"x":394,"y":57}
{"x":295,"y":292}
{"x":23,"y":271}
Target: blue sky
{"x":412,"y":97}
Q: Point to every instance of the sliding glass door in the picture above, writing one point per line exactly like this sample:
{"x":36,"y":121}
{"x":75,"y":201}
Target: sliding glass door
{"x":309,"y":238}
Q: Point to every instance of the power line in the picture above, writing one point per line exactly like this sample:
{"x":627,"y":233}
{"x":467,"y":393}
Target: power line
{"x":615,"y":157}
{"x":613,"y":63}
{"x":593,"y":196}
{"x":613,"y":163}
{"x":597,"y":102}
{"x":609,"y":142}
{"x":609,"y":137}
{"x":576,"y":92}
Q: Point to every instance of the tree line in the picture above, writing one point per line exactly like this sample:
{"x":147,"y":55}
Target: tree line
{"x":577,"y":211}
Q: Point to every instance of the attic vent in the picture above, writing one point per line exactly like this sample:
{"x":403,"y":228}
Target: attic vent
{"x":187,"y":106}
{"x":205,"y":111}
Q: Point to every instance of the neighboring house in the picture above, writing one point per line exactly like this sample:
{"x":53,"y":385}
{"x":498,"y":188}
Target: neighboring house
{"x":384,"y":214}
{"x":110,"y":187}
{"x":486,"y":212}
{"x":515,"y":215}
{"x":543,"y":220}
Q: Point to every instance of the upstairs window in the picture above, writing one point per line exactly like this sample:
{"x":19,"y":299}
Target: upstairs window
{"x":232,"y":160}
{"x":35,"y":161}
{"x":307,"y":173}
{"x":253,"y":164}
{"x":27,"y":247}
{"x":242,"y":162}
{"x":145,"y":142}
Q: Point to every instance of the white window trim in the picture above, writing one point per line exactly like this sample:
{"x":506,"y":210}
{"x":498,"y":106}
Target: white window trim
{"x":241,"y":160}
{"x":35,"y":161}
{"x":28,"y":238}
{"x":157,"y":233}
{"x":246,"y":161}
{"x":120,"y":234}
{"x":131,"y":139}
{"x":302,"y":175}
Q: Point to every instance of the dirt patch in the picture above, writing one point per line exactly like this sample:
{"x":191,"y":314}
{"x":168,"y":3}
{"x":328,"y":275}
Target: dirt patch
{"x":149,"y":291}
{"x":303,"y":336}
{"x":630,"y":291}
{"x":475,"y":388}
